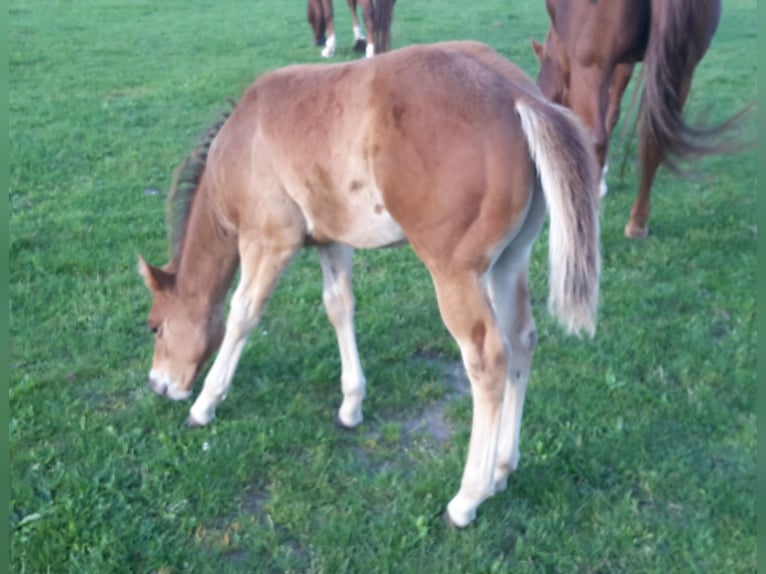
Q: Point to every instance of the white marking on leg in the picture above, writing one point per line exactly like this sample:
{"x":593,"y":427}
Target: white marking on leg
{"x":369,"y":52}
{"x":261,"y":269}
{"x":329,"y":47}
{"x":477,"y":484}
{"x":242,"y":318}
{"x":508,"y":451}
{"x":358,"y":34}
{"x":338,"y":298}
{"x":603,"y":188}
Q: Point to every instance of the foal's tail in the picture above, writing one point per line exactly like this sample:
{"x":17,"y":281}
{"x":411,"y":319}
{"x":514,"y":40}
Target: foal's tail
{"x":681,"y":32}
{"x":382,"y":15}
{"x":568,"y":173}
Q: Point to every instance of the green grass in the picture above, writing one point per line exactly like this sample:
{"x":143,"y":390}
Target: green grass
{"x":638,"y":448}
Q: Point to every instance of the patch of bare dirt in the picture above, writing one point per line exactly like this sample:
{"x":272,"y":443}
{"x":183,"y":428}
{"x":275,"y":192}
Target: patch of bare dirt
{"x":432,"y":421}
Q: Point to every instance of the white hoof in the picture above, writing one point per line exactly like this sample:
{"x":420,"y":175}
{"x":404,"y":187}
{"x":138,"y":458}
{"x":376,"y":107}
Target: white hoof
{"x":350,"y":414}
{"x":200,"y":416}
{"x":603,"y":189}
{"x":461,"y":511}
{"x":329,"y":47}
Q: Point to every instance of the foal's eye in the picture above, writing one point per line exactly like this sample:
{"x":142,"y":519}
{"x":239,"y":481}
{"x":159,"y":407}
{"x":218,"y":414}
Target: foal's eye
{"x":155,"y":329}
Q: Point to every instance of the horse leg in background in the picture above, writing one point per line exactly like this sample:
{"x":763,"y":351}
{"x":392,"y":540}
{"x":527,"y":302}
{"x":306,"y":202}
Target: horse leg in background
{"x":368,"y":15}
{"x":637,"y":227}
{"x":261,"y":267}
{"x":315,"y":16}
{"x":329,"y":21}
{"x":359,"y":40}
{"x":338,"y":298}
{"x":589,"y":100}
{"x":620,"y":79}
{"x":466,"y":311}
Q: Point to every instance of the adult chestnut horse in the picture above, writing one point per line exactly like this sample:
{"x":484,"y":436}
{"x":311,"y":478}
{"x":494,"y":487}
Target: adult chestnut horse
{"x":587,"y":60}
{"x":450,"y":147}
{"x":376,"y":14}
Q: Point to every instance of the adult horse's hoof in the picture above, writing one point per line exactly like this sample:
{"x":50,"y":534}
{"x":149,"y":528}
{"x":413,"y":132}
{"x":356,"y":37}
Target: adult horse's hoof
{"x":360,"y":45}
{"x":633,"y":231}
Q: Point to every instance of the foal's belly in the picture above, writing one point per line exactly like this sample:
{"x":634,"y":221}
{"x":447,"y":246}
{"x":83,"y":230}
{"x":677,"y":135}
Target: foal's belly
{"x":353,"y":214}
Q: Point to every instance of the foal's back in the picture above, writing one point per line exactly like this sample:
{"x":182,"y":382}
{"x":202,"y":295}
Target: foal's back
{"x":379,"y":149}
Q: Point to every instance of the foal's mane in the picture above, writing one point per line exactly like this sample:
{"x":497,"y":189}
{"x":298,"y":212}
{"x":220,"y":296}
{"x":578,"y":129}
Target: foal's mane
{"x":183,"y":189}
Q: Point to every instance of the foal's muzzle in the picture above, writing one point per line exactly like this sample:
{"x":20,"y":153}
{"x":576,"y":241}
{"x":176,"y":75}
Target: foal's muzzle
{"x":166,"y":387}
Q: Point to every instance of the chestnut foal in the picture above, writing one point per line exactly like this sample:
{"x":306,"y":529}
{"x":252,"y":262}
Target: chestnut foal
{"x":449,"y":147}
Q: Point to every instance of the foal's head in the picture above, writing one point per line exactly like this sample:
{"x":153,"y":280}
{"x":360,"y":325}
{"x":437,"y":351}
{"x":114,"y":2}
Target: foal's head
{"x":186,"y":320}
{"x":553,"y":78}
{"x":186,"y":333}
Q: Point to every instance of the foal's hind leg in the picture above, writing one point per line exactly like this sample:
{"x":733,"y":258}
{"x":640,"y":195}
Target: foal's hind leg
{"x":509,"y":293}
{"x":466,"y":311}
{"x":339,"y":302}
{"x":261,"y":268}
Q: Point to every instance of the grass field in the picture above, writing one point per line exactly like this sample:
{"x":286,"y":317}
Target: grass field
{"x":638,"y":447}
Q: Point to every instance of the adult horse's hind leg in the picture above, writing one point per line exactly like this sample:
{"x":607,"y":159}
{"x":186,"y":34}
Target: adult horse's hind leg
{"x":338,"y":299}
{"x":466,"y":311}
{"x":368,"y":15}
{"x":315,"y":16}
{"x":261,"y":267}
{"x":637,"y":226}
{"x":359,"y":39}
{"x":329,"y":19}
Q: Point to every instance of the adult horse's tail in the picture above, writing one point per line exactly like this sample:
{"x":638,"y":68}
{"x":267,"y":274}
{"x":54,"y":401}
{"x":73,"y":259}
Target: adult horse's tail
{"x":680,"y":33}
{"x":568,"y":172}
{"x":383,"y":14}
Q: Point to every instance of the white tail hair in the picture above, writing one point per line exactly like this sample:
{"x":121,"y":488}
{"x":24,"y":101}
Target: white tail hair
{"x":568,"y":173}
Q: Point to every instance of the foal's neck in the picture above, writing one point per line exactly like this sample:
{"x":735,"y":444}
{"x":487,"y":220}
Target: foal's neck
{"x":208,"y":257}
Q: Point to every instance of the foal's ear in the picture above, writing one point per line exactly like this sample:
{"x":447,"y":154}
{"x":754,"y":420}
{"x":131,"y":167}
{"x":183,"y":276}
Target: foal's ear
{"x":155,"y":278}
{"x":538,"y":48}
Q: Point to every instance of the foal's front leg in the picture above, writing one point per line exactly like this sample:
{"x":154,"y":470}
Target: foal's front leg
{"x":261,"y":268}
{"x":338,"y":299}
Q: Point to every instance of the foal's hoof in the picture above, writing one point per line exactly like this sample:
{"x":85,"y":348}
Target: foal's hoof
{"x":343,"y":426}
{"x":634,"y":231}
{"x":448,"y":520}
{"x":193,"y":423}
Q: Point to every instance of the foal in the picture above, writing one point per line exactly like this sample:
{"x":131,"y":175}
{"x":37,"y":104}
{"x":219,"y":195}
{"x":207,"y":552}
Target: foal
{"x":450,"y":147}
